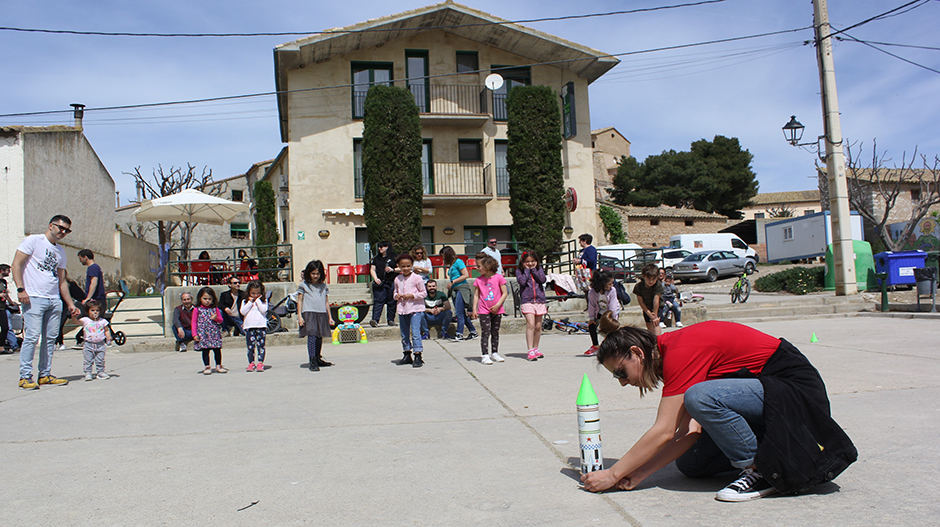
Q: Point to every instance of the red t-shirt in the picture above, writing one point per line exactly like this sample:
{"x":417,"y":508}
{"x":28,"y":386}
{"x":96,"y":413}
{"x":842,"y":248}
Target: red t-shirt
{"x":711,"y":350}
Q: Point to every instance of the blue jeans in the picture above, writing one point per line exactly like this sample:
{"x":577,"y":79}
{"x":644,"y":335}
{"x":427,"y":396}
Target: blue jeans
{"x":229,"y":322}
{"x":443,"y":319}
{"x":187,"y":335}
{"x":460,"y":311}
{"x":732,"y":413}
{"x":410,"y":327}
{"x":41,"y":323}
{"x":676,"y":310}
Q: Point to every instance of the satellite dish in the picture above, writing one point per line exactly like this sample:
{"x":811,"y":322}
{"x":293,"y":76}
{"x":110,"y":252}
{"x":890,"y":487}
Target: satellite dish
{"x":494,"y":81}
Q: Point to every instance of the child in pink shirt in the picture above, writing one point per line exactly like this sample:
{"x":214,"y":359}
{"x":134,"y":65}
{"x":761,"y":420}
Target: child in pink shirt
{"x":410,"y":294}
{"x":489,"y":293}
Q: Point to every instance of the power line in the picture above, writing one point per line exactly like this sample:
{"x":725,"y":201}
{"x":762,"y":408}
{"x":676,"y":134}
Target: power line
{"x":353,"y":31}
{"x":321,"y":88}
{"x":882,"y":15}
{"x":932,"y":48}
{"x":886,"y":52}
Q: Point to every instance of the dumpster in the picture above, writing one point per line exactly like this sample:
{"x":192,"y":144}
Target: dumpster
{"x":926,"y":280}
{"x":899,"y":265}
{"x":864,"y":268}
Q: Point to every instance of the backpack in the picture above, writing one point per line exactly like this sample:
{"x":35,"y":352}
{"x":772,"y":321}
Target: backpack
{"x":622,"y":296}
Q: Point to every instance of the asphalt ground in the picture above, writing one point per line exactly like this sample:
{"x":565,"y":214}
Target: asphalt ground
{"x":367,"y":442}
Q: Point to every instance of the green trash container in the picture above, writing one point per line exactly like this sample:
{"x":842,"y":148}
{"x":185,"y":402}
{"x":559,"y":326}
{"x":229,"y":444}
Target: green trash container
{"x":864,"y":267}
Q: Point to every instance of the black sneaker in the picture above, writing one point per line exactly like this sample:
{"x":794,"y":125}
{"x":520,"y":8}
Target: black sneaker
{"x":417,"y":362}
{"x":373,"y":323}
{"x":750,"y":485}
{"x":472,"y":336}
{"x":406,"y":359}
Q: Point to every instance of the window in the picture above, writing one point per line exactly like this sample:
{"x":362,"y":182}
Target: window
{"x":689,"y":223}
{"x":502,"y":173}
{"x":738,"y":244}
{"x":357,"y":169}
{"x":758,"y":215}
{"x":787,"y":233}
{"x":470,"y":150}
{"x":808,"y":212}
{"x":512,"y":77}
{"x":467,"y":62}
{"x":416,"y":73}
{"x":915,"y":194}
{"x":654,"y":222}
{"x":237,"y":195}
{"x":427,"y":168}
{"x":364,"y":75}
{"x":240,"y":231}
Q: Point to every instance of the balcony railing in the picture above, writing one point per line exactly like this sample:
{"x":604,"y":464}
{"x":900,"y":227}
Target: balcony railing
{"x":443,"y":99}
{"x":447,"y":179}
{"x":502,"y":182}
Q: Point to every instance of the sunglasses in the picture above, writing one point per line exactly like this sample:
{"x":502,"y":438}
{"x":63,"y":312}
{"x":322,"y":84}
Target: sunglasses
{"x":64,"y":230}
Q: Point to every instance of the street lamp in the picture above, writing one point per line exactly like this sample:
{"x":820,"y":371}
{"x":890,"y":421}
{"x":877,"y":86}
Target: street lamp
{"x":793,"y":131}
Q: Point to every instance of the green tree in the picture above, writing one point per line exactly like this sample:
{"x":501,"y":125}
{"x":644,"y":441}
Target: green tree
{"x":533,"y":157}
{"x":266,"y":230}
{"x":391,"y":167}
{"x":714,"y":176}
{"x":613,"y":227}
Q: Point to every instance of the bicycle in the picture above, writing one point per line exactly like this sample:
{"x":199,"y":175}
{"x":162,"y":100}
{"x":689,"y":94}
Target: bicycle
{"x":741,"y":289}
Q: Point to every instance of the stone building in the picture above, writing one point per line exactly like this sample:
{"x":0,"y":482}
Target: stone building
{"x":610,"y":146}
{"x":323,"y":80}
{"x":53,"y":170}
{"x":653,"y":226}
{"x":769,"y":204}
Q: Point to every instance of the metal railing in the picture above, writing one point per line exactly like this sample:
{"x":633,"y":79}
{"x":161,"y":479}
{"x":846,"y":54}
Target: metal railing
{"x":499,"y":106}
{"x":444,"y":99}
{"x":502,"y":182}
{"x":224,"y":262}
{"x":466,"y":178}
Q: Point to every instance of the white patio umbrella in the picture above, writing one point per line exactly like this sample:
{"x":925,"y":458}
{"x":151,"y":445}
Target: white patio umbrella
{"x":192,"y":206}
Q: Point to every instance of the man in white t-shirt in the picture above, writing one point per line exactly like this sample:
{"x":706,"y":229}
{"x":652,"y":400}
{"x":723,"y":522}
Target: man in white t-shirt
{"x":39,"y":270}
{"x":491,"y":250}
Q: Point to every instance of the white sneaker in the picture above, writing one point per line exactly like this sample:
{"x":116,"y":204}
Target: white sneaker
{"x":678,"y":324}
{"x":88,"y":377}
{"x":103,"y":375}
{"x":497,"y":357}
{"x":60,"y":347}
{"x":487,"y":360}
{"x":662,"y":324}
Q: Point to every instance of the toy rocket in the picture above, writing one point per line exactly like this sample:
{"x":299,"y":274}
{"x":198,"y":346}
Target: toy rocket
{"x":589,"y":428}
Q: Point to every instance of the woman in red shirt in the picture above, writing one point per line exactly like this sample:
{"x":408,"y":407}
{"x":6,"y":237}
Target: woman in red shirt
{"x":733,"y":398}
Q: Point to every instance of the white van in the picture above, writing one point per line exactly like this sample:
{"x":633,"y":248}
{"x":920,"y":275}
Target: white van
{"x":621,"y":251}
{"x":718,"y":241}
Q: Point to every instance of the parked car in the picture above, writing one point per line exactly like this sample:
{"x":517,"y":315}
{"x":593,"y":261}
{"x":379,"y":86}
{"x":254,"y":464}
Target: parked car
{"x":717,"y":241}
{"x":710,"y":265}
{"x":665,"y":258}
{"x":621,"y":269}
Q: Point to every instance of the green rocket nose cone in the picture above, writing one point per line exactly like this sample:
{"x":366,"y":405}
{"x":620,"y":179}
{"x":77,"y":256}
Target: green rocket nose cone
{"x":586,"y":394}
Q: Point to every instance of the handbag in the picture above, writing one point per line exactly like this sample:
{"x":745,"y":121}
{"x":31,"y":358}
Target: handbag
{"x":582,"y":278}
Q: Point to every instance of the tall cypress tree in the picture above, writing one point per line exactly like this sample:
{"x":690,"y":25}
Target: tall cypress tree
{"x":391,"y":167}
{"x":536,"y":177}
{"x":266,"y":223}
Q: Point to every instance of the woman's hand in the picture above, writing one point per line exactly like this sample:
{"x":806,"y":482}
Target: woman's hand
{"x":627,"y":483}
{"x":300,"y":321}
{"x":600,"y":480}
{"x":195,"y":338}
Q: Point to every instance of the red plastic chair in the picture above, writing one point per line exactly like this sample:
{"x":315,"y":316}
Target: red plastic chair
{"x":509,"y":264}
{"x":201,"y":270}
{"x":345,"y":273}
{"x":183,"y":271}
{"x":363,"y":270}
{"x":437,"y":264}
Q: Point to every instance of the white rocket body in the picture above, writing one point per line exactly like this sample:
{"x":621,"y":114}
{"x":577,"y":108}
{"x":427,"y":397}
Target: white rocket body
{"x":589,"y":437}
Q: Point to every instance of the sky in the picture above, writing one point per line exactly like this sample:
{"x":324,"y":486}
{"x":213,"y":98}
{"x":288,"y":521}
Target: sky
{"x":660,"y":100}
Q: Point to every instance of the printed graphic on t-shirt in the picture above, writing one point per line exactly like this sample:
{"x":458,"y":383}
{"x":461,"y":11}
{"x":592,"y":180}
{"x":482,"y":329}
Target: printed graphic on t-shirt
{"x":49,"y":263}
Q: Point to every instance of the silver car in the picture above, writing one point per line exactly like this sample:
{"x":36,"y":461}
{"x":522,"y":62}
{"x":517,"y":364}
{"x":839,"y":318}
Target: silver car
{"x":711,"y":265}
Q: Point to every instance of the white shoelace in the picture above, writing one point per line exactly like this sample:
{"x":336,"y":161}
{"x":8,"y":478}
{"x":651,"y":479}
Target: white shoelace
{"x":747,"y":479}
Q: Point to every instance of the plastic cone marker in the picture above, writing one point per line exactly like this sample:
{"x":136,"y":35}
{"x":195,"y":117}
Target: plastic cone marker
{"x":813,"y":338}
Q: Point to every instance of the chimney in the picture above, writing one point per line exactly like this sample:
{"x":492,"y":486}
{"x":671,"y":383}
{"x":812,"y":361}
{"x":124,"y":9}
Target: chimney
{"x":79,"y":113}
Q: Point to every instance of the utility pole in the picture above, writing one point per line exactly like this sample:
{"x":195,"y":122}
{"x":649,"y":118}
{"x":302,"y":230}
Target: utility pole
{"x":842,"y":249}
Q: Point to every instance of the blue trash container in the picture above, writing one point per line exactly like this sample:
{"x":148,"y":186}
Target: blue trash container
{"x":899,"y":266}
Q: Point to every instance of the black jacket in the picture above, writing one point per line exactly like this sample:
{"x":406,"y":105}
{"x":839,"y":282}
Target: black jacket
{"x":802,"y":445}
{"x":227,"y":300}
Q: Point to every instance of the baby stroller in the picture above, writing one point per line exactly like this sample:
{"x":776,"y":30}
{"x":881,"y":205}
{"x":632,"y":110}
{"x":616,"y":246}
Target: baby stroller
{"x":118,"y":337}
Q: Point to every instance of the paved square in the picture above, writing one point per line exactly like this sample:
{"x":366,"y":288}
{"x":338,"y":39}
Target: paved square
{"x":367,"y":442}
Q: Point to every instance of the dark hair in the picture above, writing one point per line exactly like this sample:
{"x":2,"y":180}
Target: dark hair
{"x":526,"y":255}
{"x":93,"y":304}
{"x":203,"y":292}
{"x":448,"y":254}
{"x":586,"y":238}
{"x":86,"y":253}
{"x":383,"y":244}
{"x":255,"y":284}
{"x":404,"y":256}
{"x":313,"y":265}
{"x":62,"y":218}
{"x":617,"y":346}
{"x":4,"y":267}
{"x":204,"y":255}
{"x":252,"y":263}
{"x":601,"y":279}
{"x":242,"y":253}
{"x":489,"y":263}
{"x":651,"y":270}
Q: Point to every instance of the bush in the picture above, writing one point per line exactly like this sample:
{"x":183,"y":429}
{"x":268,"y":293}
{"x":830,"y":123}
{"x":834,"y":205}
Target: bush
{"x":798,"y":280}
{"x":612,"y":225}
